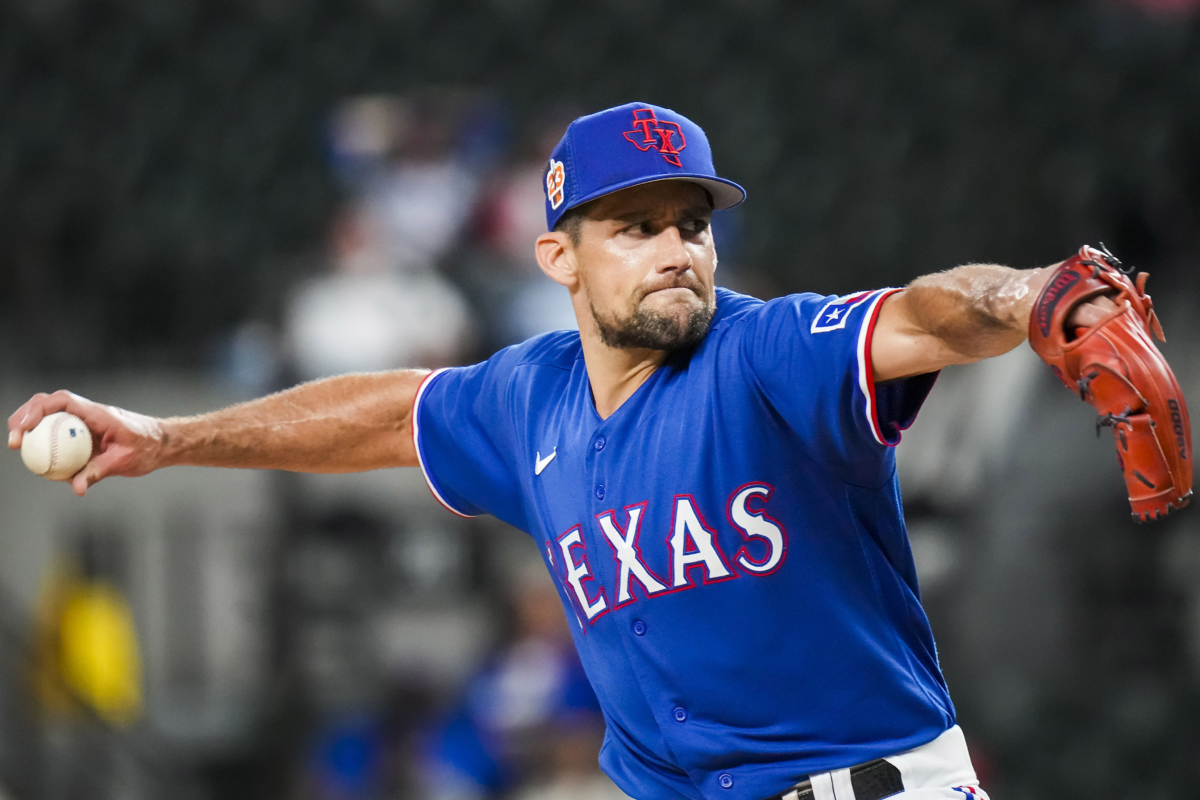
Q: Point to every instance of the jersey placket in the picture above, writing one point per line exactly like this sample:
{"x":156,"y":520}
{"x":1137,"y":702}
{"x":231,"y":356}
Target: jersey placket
{"x":600,"y":495}
{"x":667,"y":707}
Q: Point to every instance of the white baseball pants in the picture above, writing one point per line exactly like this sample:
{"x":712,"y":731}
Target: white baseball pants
{"x":940,"y":770}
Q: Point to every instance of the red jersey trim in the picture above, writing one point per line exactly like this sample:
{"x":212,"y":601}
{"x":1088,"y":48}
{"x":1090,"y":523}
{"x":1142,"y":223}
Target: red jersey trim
{"x":866,"y":371}
{"x":425,"y":382}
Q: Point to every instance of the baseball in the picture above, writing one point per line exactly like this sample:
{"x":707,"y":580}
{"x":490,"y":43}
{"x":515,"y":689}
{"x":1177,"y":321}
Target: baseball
{"x":58,"y":447}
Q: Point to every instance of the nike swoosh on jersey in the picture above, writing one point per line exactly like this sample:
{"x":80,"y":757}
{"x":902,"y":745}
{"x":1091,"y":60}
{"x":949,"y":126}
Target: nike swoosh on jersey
{"x":541,"y":463}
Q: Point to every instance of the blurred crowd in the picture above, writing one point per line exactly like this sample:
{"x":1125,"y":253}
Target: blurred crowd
{"x":430,"y":259}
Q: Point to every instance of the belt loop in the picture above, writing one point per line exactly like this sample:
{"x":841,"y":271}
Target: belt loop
{"x":822,"y":786}
{"x":843,"y":789}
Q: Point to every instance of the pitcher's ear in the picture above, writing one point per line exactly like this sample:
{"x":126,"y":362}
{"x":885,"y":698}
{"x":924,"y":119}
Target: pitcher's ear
{"x":556,"y":257}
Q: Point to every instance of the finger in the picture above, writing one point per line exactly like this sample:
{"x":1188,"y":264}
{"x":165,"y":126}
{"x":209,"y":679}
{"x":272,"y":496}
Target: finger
{"x":15,"y":430}
{"x":1086,"y":316}
{"x":42,"y":405}
{"x":1092,"y":312}
{"x":96,"y":470}
{"x":95,"y":416}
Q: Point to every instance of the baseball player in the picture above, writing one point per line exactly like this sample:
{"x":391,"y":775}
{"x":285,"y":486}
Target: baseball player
{"x":710,"y":478}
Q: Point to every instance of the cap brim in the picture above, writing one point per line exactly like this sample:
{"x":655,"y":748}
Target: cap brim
{"x":725,"y":194}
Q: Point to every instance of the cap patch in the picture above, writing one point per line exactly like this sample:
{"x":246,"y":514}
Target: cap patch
{"x":649,"y":132}
{"x":555,"y":181}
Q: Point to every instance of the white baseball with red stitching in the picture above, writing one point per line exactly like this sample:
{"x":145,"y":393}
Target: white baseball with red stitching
{"x":58,"y":447}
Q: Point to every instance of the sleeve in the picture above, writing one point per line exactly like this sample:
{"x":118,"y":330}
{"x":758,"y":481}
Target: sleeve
{"x":464,"y":437}
{"x":811,"y":359}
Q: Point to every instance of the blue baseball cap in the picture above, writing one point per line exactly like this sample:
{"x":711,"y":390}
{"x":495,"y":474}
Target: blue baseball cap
{"x":625,"y":146}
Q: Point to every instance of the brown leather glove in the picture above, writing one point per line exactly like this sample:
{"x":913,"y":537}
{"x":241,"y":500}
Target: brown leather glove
{"x":1115,"y":366}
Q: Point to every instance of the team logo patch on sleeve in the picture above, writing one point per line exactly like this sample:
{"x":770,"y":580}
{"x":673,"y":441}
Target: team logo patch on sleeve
{"x":833,"y":316}
{"x":556,"y":179}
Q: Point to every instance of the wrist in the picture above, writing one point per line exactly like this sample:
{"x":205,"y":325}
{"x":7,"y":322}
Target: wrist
{"x":167,"y":442}
{"x":1032,"y":281}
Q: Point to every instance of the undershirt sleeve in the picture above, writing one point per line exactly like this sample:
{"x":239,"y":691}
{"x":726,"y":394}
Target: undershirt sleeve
{"x":898,"y":401}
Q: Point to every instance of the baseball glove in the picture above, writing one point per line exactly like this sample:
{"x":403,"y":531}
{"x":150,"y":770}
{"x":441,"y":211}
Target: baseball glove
{"x":1115,"y":366}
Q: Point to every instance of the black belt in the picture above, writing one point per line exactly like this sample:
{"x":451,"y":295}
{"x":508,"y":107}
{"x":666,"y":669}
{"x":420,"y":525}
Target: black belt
{"x":874,"y":780}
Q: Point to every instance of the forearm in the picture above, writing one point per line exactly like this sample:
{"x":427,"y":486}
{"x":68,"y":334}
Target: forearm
{"x":977,"y":310}
{"x":344,"y":424}
{"x":954,"y":317}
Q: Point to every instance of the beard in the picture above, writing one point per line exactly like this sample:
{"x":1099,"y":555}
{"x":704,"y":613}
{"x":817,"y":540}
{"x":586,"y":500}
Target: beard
{"x":649,"y":329}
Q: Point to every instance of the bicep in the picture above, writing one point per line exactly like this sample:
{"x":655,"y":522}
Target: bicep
{"x":374,"y":414}
{"x":901,"y":347}
{"x":402,"y":445}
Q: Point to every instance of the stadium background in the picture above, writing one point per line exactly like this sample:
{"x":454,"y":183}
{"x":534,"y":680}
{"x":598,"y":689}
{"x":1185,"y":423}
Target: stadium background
{"x":203,"y":201}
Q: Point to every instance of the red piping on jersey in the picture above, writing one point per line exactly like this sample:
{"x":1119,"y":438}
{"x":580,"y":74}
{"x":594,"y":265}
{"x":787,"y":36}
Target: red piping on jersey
{"x":417,"y":448}
{"x":872,"y":408}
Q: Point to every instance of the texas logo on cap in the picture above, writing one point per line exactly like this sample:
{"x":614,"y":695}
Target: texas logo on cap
{"x":626,"y":146}
{"x":650,"y":132}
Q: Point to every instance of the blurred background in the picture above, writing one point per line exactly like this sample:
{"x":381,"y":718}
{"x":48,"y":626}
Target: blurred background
{"x":202,"y":201}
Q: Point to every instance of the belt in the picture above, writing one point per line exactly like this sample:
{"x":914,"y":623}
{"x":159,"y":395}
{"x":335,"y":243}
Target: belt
{"x":874,"y":780}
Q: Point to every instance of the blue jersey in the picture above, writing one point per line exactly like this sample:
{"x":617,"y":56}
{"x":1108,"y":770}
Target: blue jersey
{"x":729,"y":544}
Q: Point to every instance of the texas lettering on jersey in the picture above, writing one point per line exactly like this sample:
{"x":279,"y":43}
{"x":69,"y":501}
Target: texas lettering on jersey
{"x":692,"y":548}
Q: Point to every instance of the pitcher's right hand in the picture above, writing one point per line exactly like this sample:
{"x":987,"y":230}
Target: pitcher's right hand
{"x":123,"y":443}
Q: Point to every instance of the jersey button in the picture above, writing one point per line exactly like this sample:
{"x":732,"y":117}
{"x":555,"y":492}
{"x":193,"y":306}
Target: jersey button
{"x":600,"y":492}
{"x":681,"y":715}
{"x":639,"y":628}
{"x":600,"y":442}
{"x":726,"y":781}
